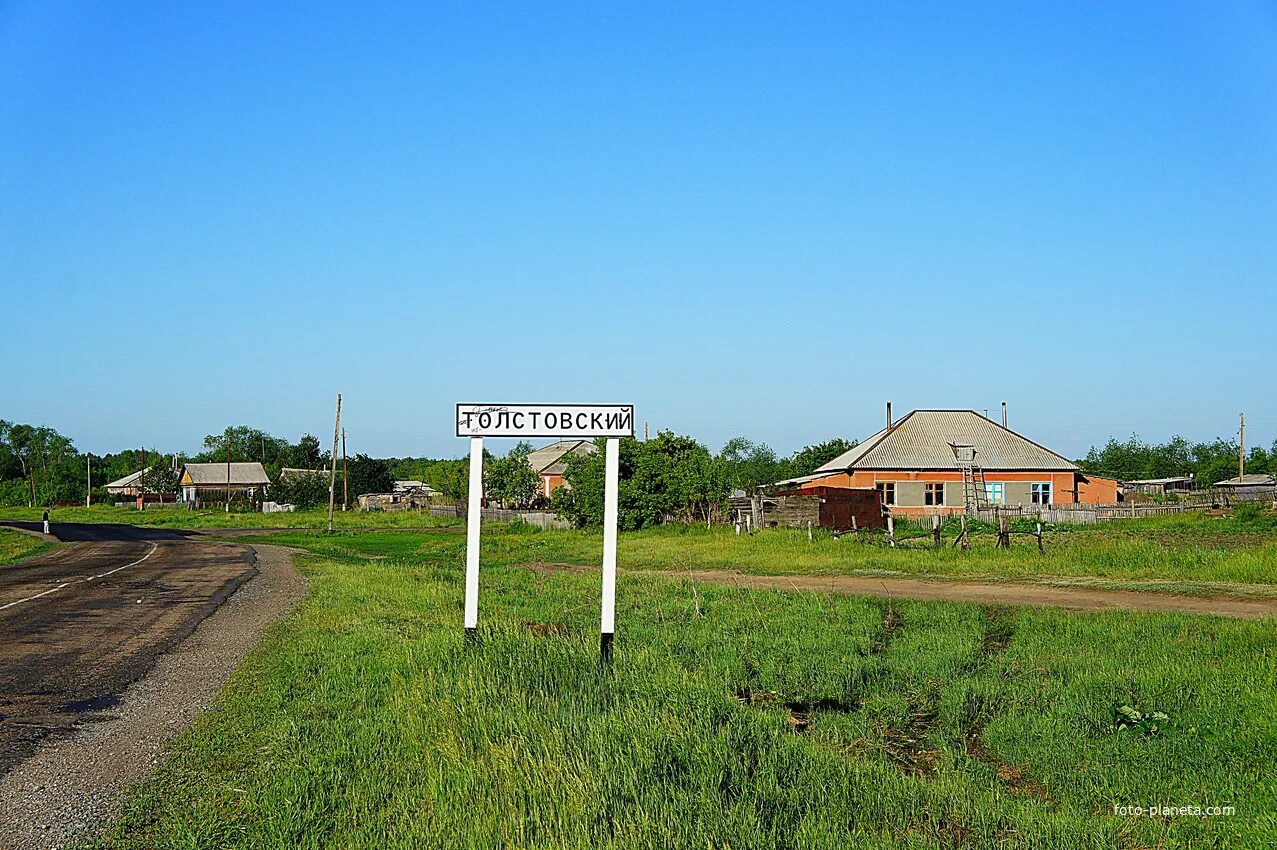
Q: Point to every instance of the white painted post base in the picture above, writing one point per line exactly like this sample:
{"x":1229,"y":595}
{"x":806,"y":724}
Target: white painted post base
{"x":611,"y":472}
{"x":473,"y":521}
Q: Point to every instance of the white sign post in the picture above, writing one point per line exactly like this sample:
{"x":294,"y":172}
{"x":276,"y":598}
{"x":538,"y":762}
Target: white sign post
{"x":575,"y":421}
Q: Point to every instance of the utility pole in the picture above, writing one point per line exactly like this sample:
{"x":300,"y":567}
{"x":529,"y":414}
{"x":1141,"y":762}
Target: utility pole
{"x":228,"y":470}
{"x":88,"y":479}
{"x":1241,"y":454}
{"x":332,"y":477}
{"x":141,"y":482}
{"x":345,"y":473}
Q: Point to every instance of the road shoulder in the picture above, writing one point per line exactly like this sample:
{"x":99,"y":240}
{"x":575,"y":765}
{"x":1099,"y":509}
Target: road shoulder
{"x":73,"y":785}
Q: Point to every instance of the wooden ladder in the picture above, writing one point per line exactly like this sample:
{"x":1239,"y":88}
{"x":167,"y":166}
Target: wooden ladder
{"x":975,"y":495}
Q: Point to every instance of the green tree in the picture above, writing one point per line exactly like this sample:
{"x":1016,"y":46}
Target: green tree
{"x":511,"y":481}
{"x":748,"y":464}
{"x":160,"y":476}
{"x":668,"y":478}
{"x":451,"y":478}
{"x":367,"y":475}
{"x":305,"y":491}
{"x":307,"y":454}
{"x":247,"y":445}
{"x":810,"y":458}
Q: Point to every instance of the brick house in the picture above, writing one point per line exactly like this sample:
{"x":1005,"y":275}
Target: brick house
{"x":946,"y":461}
{"x":550,"y":462}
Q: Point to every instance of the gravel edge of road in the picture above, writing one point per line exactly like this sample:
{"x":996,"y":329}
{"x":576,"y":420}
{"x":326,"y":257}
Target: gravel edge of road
{"x":72,"y":786}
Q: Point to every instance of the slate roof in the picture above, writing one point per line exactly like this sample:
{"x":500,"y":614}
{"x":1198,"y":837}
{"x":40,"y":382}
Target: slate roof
{"x":1257,"y":479}
{"x":290,"y":473}
{"x":129,"y":480}
{"x":552,"y":459}
{"x":214,"y":474}
{"x":924,"y":439}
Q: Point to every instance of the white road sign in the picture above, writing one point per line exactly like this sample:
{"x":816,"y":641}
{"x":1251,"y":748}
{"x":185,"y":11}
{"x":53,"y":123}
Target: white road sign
{"x":545,"y":420}
{"x":612,"y":421}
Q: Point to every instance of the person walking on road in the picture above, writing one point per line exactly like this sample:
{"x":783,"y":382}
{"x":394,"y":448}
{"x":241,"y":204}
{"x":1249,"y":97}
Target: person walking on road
{"x":46,"y":522}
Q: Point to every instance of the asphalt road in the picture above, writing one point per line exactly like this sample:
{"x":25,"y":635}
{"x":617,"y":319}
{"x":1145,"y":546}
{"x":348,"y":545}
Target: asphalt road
{"x":79,"y":624}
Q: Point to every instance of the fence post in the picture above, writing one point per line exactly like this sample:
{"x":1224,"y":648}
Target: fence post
{"x":891,"y":530}
{"x":935,"y":529}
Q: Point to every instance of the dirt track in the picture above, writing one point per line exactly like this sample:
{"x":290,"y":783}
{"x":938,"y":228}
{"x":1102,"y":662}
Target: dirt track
{"x":983,"y":593}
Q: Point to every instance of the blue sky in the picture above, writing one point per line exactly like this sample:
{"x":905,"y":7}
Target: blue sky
{"x":750,"y":219}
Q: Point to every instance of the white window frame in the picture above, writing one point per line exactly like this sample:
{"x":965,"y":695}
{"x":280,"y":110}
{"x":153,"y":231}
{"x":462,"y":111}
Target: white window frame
{"x":995,"y":492}
{"x":882,"y":487}
{"x":1037,"y":488}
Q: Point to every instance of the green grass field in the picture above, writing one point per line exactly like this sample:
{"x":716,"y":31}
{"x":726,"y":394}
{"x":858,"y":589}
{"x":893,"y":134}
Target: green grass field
{"x":14,"y":546}
{"x":732,"y":718}
{"x":1188,"y":553}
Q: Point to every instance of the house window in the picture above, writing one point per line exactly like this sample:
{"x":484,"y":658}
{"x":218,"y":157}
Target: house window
{"x":995,"y":492}
{"x":1040,"y":494}
{"x":888,"y":491}
{"x":934,"y":494}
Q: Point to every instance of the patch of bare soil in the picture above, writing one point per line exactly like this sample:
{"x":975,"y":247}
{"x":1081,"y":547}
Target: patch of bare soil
{"x":982,"y":593}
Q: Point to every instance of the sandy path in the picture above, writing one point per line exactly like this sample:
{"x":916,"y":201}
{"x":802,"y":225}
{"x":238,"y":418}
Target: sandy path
{"x":987,"y":593}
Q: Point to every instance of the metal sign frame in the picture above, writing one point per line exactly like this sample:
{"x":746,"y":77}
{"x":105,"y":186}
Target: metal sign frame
{"x":611,"y":421}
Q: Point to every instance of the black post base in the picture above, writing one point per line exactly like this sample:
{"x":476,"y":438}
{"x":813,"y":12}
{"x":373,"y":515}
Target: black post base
{"x":605,"y":649}
{"x":472,"y":635}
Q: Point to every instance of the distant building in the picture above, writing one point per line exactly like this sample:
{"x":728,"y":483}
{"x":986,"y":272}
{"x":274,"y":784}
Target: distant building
{"x":1159,"y":486}
{"x":1258,"y":479}
{"x":1252,"y":486}
{"x":947,"y":461}
{"x":289,"y":474}
{"x":413,"y":488}
{"x":205,"y":483}
{"x":550,"y":462}
{"x":126,"y":486}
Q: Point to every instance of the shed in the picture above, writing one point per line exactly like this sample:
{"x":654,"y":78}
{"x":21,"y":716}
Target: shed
{"x":1160,"y":486}
{"x":839,"y":508}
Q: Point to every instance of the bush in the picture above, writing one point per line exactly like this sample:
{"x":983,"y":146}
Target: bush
{"x":1249,"y":511}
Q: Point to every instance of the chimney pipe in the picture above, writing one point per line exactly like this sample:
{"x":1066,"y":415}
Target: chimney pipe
{"x":888,"y":414}
{"x":1004,"y":414}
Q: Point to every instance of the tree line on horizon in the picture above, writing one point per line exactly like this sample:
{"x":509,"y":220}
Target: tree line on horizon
{"x":1134,"y":459}
{"x":667,"y":477}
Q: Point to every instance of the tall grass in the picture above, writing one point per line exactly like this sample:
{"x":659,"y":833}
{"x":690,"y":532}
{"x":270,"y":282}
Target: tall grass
{"x":733,"y":718}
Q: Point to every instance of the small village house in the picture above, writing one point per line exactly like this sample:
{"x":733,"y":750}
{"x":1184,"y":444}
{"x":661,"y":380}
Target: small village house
{"x":550,"y":462}
{"x":208,"y":483}
{"x":953,"y":461}
{"x":128,"y":485}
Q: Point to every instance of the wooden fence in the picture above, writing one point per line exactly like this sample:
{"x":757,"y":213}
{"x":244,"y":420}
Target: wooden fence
{"x":541,"y":519}
{"x":1085,"y":514}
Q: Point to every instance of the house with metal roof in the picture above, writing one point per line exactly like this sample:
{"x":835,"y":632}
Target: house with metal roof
{"x":1252,"y":485}
{"x":952,"y":461}
{"x":207,"y":483}
{"x":127,"y":486}
{"x":551,"y":462}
